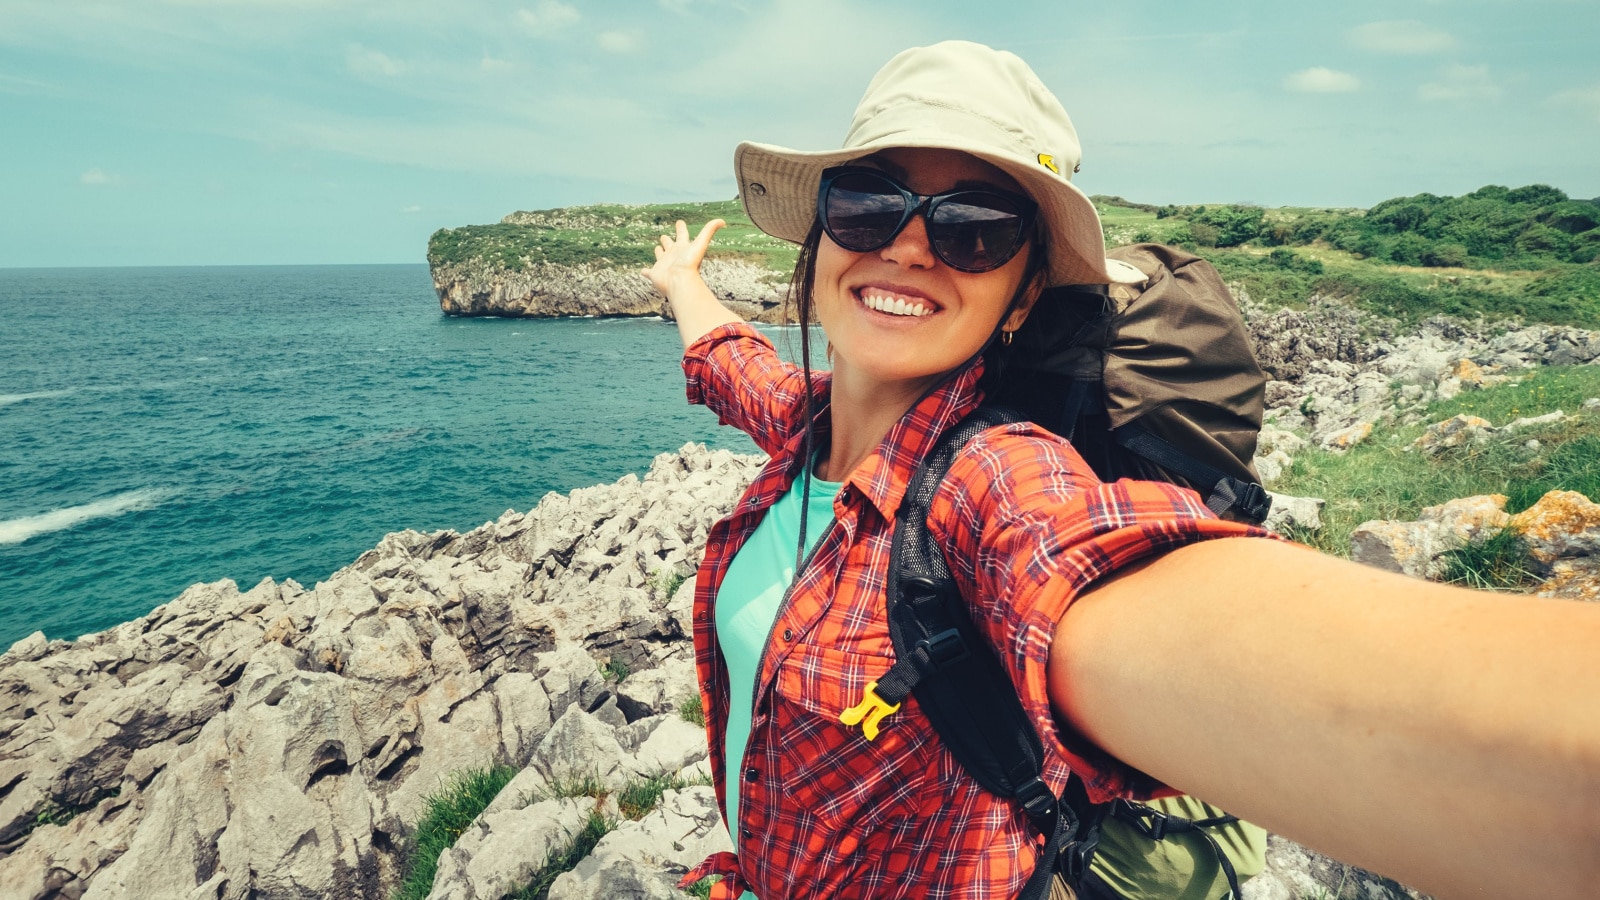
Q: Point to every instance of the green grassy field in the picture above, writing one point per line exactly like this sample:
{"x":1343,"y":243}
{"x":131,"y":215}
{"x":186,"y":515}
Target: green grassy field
{"x":1529,"y":254}
{"x":1382,"y":479}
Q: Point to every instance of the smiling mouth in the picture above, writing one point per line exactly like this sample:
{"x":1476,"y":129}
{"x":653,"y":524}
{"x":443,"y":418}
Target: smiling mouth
{"x":894,"y":304}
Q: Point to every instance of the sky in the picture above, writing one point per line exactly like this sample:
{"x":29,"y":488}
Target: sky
{"x":225,"y":132}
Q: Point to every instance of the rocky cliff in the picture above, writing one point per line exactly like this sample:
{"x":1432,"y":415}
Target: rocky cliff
{"x":549,"y":290}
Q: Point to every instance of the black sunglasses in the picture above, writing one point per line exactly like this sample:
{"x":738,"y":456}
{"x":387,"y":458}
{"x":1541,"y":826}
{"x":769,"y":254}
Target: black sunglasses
{"x":971,"y":230}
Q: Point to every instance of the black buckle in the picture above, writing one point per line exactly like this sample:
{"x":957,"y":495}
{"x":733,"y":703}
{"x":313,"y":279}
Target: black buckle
{"x":1073,"y":861}
{"x":945,"y":648}
{"x":1253,"y":501}
{"x":1037,"y":800}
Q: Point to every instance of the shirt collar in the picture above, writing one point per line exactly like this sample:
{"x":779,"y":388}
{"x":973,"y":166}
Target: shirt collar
{"x":883,"y":476}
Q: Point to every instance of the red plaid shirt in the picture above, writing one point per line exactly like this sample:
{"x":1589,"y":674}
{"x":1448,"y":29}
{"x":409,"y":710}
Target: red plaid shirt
{"x":1026,"y":527}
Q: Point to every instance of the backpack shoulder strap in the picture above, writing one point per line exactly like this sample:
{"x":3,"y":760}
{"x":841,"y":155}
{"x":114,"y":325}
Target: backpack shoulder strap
{"x":960,"y":684}
{"x":958,"y":681}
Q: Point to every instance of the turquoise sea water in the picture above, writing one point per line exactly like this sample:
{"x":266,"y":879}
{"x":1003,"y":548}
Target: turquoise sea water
{"x":160,"y":427}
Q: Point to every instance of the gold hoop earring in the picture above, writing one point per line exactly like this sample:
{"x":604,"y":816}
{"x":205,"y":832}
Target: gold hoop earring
{"x":1005,"y":338}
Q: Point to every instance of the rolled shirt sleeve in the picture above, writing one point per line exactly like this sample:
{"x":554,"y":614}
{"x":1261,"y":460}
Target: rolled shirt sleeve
{"x":1026,"y":528}
{"x":735,"y":371}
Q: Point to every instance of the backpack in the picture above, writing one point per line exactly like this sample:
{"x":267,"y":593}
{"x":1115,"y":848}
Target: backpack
{"x":1154,"y":381}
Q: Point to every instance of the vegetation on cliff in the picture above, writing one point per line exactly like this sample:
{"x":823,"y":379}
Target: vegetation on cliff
{"x":1530,"y":252}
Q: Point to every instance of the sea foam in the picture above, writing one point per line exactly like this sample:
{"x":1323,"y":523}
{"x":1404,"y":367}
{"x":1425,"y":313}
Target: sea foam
{"x":15,"y":531}
{"x":8,"y":399}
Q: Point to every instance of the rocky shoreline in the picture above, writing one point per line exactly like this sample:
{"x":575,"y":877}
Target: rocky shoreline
{"x":547,"y":290}
{"x":279,"y":742}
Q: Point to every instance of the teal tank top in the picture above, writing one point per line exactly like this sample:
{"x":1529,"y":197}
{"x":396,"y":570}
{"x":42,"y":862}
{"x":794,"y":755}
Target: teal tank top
{"x":747,"y":607}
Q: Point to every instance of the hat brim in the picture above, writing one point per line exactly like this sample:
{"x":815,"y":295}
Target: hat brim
{"x":778,"y":187}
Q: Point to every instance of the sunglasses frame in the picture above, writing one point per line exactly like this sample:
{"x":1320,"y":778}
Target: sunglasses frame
{"x":927,"y":204}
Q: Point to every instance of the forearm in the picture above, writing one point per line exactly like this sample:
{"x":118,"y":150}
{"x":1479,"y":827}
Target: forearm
{"x":1448,"y":738}
{"x":695,"y":308}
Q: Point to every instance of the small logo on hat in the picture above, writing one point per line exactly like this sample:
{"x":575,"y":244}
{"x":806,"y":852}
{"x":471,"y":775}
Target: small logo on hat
{"x":1049,"y":162}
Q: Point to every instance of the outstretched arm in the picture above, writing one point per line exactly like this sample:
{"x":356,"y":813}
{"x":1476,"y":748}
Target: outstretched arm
{"x":677,"y":274}
{"x":1444,"y":737}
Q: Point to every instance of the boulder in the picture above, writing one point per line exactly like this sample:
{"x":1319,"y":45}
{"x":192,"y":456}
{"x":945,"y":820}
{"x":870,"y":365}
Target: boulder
{"x":1300,"y":513}
{"x":1562,"y":524}
{"x":1456,"y":431}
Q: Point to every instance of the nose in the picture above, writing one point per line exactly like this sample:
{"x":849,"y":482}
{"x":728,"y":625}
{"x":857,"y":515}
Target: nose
{"x":910,"y":247}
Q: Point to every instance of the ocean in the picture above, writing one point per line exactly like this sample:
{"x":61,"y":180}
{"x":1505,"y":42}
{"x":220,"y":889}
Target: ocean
{"x":163,"y":426}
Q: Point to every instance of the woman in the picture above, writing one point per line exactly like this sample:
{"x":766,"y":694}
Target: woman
{"x":926,"y":241}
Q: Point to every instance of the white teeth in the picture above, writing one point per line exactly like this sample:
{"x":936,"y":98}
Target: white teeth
{"x":895,"y":306}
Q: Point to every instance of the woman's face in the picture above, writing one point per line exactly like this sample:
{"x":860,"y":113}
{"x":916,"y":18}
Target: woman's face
{"x":961,"y":309}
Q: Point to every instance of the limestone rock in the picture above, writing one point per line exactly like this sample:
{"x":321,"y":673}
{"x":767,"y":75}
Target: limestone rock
{"x":548,"y":290}
{"x":1410,"y":548}
{"x":1294,"y":872}
{"x":1342,"y":440}
{"x":1456,"y":431}
{"x":1470,"y":519}
{"x":29,"y":648}
{"x":501,"y":851}
{"x":1304,"y":513}
{"x":646,"y":858}
{"x":1272,"y":466}
{"x":1562,"y":524}
{"x":1573,"y":579}
{"x":1550,"y":418}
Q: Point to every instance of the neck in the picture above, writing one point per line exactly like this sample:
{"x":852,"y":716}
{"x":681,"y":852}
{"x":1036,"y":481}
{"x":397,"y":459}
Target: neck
{"x":862,"y":410}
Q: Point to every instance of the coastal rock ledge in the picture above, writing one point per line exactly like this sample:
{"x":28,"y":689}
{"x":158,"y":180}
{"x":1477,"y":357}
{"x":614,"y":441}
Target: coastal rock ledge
{"x":280,"y":742}
{"x":547,"y":290}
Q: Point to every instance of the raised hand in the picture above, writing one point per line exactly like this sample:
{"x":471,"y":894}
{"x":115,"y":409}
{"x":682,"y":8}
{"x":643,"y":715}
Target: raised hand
{"x":678,"y":258}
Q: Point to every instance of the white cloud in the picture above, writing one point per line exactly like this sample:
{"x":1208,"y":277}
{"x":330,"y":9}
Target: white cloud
{"x":1584,"y":98}
{"x":413,"y":208}
{"x":1404,"y":37}
{"x":98,"y":178}
{"x":617,"y":42}
{"x":548,"y":17}
{"x":1458,"y":82}
{"x":372,"y":63}
{"x":1321,"y":80}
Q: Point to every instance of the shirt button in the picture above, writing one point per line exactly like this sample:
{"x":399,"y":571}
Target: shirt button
{"x":752,"y":775}
{"x":699,"y":617}
{"x":747,"y":834}
{"x":788,"y":635}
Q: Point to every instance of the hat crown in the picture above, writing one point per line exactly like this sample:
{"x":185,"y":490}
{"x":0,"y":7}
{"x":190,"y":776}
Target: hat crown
{"x":974,"y":80}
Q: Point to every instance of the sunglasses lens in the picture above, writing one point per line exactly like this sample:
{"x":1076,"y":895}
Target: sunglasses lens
{"x":976,"y":231}
{"x":863,"y":211}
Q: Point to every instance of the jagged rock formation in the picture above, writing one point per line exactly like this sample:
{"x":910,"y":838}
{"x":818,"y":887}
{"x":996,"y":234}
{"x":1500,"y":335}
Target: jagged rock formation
{"x":547,"y":290}
{"x":279,"y":742}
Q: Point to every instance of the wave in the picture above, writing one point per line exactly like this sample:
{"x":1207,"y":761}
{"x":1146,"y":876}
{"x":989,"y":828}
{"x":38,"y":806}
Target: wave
{"x":8,"y":399}
{"x":15,"y":531}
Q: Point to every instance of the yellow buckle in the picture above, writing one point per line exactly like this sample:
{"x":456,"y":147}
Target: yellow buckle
{"x":869,"y":712}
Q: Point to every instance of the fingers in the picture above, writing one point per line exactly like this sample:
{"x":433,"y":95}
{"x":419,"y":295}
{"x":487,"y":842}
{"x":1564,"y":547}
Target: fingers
{"x":703,"y":239}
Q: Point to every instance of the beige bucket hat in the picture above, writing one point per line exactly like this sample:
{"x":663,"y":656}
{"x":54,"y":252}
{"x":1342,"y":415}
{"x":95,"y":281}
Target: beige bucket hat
{"x":954,"y":95}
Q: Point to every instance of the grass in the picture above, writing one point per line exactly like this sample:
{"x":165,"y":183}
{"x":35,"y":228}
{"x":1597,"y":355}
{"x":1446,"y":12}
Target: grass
{"x":666,"y":581}
{"x":606,"y":235}
{"x":1381,"y":479}
{"x":1499,"y":563}
{"x":596,"y":827}
{"x":635,"y":800}
{"x":446,"y":815}
{"x":616,"y":670}
{"x":691,"y":711}
{"x":702,"y":888}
